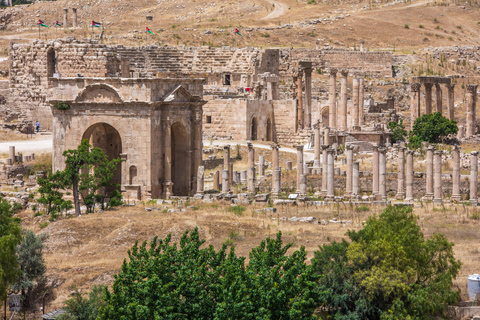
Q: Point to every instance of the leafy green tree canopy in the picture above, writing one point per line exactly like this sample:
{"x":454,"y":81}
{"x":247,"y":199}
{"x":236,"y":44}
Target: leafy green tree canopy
{"x":431,"y":128}
{"x":186,"y":282}
{"x":389,"y":270}
{"x":398,"y":131}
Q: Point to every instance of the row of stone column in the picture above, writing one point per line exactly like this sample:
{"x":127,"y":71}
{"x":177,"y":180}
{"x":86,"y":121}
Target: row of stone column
{"x":65,"y":18}
{"x":337,"y":118}
{"x":304,"y":112}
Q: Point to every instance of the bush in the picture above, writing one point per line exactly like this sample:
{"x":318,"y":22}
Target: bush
{"x":398,"y":131}
{"x":406,"y":26}
{"x":432,"y":128}
{"x":237,"y":210}
{"x":61,"y":105}
{"x":80,"y":308}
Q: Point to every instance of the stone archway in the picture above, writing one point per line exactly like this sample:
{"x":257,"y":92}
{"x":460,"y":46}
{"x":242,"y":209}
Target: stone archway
{"x":253,"y":129}
{"x":104,"y":136}
{"x":180,"y":160}
{"x":51,"y":62}
{"x":269,"y":130}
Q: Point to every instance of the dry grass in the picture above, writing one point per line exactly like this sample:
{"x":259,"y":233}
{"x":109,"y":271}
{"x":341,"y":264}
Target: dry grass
{"x":88,"y":250}
{"x":7,"y":135}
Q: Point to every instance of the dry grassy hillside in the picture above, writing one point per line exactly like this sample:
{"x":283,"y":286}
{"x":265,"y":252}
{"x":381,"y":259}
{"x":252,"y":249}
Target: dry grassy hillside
{"x":266,"y":23}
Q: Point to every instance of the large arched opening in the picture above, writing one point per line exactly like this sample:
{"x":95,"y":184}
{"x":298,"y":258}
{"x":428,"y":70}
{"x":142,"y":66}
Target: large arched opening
{"x":180,"y":160}
{"x":107,"y":138}
{"x":51,"y":62}
{"x":253,"y":129}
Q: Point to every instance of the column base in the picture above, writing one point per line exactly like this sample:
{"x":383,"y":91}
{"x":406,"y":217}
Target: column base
{"x":456,"y":198}
{"x":409,"y":199}
{"x":400,"y":196}
{"x":167,"y":189}
{"x":438,"y":201}
{"x":474,"y":201}
{"x":428,"y":197}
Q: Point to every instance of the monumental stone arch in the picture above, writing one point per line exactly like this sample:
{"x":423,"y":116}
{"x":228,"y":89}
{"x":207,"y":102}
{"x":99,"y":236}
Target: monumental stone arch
{"x":154,"y":125}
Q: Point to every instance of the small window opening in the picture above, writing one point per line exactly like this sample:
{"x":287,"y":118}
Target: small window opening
{"x":209,"y":119}
{"x":227,"y":80}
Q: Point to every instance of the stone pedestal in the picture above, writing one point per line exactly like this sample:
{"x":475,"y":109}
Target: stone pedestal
{"x":428,"y":98}
{"x":342,"y":111}
{"x":414,"y":103}
{"x":456,"y":175}
{"x":200,"y":180}
{"x":461,"y":132}
{"x":375,"y":170}
{"x":356,"y":177}
{"x":243,"y":176}
{"x":382,"y":169}
{"x":473,"y":177}
{"x":332,"y":114}
{"x":251,"y":180}
{"x":409,"y":176}
{"x":349,"y":171}
{"x":330,"y":174}
{"x":299,"y":165}
{"x":401,"y":174}
{"x":429,"y":182}
{"x":324,"y":169}
{"x":303,"y":185}
{"x":451,"y":101}
{"x":355,"y":122}
{"x":471,"y":109}
{"x":438,"y":177}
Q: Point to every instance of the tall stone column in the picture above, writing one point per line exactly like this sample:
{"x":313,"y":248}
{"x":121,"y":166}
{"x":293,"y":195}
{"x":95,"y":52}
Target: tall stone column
{"x":414,"y":103}
{"x":325,"y":169}
{"x":382,"y":169}
{"x":429,"y":183}
{"x":330,"y":174}
{"x":355,"y":122}
{"x":74,"y":20}
{"x":197,"y":144}
{"x":261,"y":166}
{"x":326,"y":136}
{"x":200,"y":180}
{"x":438,"y":177}
{"x":439,"y":102}
{"x":251,"y":155}
{"x":451,"y":101}
{"x":65,"y":17}
{"x":216,"y":180}
{"x":11,"y":153}
{"x":332,"y":114}
{"x":456,"y":175}
{"x":428,"y":98}
{"x":473,"y":177}
{"x":361,"y":100}
{"x":300,"y":115}
{"x":409,"y":189}
{"x":316,"y":142}
{"x":375,"y":170}
{"x":167,"y":142}
{"x":471,"y":109}
{"x":277,"y":182}
{"x":308,"y":97}
{"x":251,"y":169}
{"x":275,"y":156}
{"x":226,"y":168}
{"x":299,"y":165}
{"x":349,"y":173}
{"x":356,"y":177}
{"x":401,"y":174}
{"x":342,"y":111}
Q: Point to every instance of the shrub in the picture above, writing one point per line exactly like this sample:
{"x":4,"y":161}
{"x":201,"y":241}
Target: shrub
{"x":60,"y":105}
{"x":406,"y":26}
{"x":420,"y":26}
{"x":398,"y":131}
{"x":237,"y":210}
{"x":431,"y":128}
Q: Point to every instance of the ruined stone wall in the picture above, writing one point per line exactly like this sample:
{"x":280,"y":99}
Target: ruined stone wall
{"x":225,"y":119}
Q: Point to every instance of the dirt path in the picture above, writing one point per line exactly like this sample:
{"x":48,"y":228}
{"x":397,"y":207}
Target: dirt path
{"x":280,"y":9}
{"x":28,"y":145}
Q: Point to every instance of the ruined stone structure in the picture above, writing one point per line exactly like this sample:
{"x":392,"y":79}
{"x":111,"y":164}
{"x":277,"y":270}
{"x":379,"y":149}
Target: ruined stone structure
{"x":153,"y":125}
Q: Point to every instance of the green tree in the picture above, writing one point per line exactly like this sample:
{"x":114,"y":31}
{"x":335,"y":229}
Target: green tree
{"x":30,"y":257}
{"x":186,"y":282}
{"x":80,"y":308}
{"x":50,"y":194}
{"x":82,"y":177}
{"x":431,"y":128}
{"x":398,"y":131}
{"x":389,"y":270}
{"x":10,"y":237}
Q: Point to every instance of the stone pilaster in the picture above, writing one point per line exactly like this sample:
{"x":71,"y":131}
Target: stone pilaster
{"x":456,"y":175}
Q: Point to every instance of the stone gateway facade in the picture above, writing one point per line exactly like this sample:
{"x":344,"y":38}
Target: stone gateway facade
{"x":154,"y":125}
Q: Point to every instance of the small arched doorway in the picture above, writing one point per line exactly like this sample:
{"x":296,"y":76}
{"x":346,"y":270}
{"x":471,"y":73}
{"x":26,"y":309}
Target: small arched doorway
{"x":269,"y":130}
{"x":104,"y":136}
{"x":253,"y":129}
{"x":180,"y":160}
{"x":51,"y":62}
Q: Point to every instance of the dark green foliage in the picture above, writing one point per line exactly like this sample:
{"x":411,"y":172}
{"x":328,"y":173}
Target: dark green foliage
{"x":62,"y":105}
{"x":81,"y":308}
{"x":398,"y":131}
{"x":186,"y":282}
{"x":30,"y":257}
{"x":388,"y":271}
{"x":50,"y":194}
{"x":431,"y":128}
{"x":10,"y":237}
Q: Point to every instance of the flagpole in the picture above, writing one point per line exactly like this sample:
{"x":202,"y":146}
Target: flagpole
{"x":235,"y":37}
{"x":56,"y":37}
{"x":39,"y":31}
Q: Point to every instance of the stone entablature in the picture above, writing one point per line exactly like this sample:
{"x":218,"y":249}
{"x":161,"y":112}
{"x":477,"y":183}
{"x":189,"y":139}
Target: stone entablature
{"x":154,"y":125}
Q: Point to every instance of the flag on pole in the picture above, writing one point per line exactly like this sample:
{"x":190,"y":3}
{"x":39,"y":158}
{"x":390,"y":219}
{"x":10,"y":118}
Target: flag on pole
{"x":57,"y":24}
{"x":41,"y":24}
{"x":96,"y":24}
{"x":148,"y":30}
{"x":238,"y":32}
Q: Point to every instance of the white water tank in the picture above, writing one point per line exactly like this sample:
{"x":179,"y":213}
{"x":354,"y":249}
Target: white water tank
{"x":474,"y":286}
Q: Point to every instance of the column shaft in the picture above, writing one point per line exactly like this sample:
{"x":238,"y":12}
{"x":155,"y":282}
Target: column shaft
{"x":409,"y":188}
{"x":456,"y":174}
{"x":308,"y":98}
{"x":401,"y":174}
{"x":382,"y":179}
{"x":356,"y":177}
{"x":375,"y":171}
{"x":299,"y":165}
{"x":324,"y":169}
{"x":316,"y":142}
{"x":414,"y":103}
{"x":361,"y":100}
{"x":473,"y":177}
{"x":330,"y":174}
{"x":332,"y":114}
{"x":355,"y":122}
{"x":349,"y":173}
{"x":429,"y":183}
{"x":471,"y":109}
{"x":439,"y":102}
{"x":438,"y":177}
{"x":300,"y":100}
{"x":428,"y":98}
{"x":342,"y":111}
{"x":451,"y":101}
